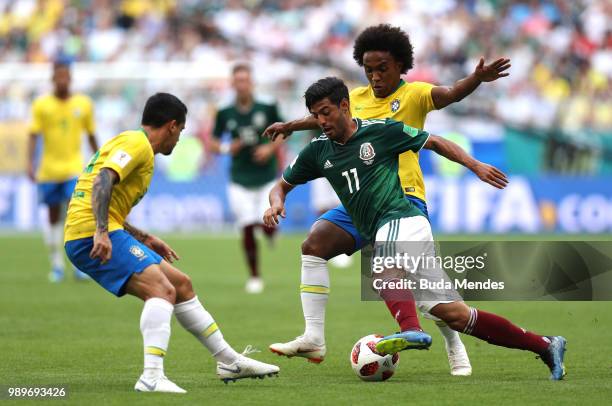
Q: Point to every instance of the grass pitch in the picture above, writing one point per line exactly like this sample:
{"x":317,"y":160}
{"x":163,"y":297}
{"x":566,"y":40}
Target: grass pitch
{"x":79,"y":335}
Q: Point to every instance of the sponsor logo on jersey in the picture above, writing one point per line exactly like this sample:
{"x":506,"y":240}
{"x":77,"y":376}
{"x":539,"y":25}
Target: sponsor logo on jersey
{"x":137,"y":251}
{"x":366,"y":153}
{"x":328,"y":165}
{"x":395,"y":105}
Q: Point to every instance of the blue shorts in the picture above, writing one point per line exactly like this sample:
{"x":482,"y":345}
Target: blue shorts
{"x":340,"y":217}
{"x":54,"y":193}
{"x":129,"y":256}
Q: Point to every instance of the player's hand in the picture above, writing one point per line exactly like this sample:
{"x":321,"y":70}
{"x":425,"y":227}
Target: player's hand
{"x":262,"y":153}
{"x":163,"y":249}
{"x":102,"y":246}
{"x":276,"y":129}
{"x":492,"y":71}
{"x":491,"y":175}
{"x":270,"y":217}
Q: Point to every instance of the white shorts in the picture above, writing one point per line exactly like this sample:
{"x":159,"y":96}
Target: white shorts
{"x":412,"y":235}
{"x":248,"y":205}
{"x":322,"y":196}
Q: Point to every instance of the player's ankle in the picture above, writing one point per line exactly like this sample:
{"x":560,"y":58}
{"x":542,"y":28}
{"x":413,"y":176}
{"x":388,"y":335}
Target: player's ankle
{"x":152,"y":374}
{"x":317,"y":340}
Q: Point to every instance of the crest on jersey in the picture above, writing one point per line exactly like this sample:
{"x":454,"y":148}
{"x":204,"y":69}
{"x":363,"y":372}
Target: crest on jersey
{"x":137,"y":251}
{"x":366,"y":153}
{"x":395,"y":105}
{"x":259,"y":119}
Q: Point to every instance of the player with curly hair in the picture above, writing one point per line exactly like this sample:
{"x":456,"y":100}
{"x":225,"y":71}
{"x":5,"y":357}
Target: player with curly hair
{"x":385,"y":53}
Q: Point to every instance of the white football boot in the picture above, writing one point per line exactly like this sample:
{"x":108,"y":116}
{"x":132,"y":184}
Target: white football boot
{"x":458,"y":360}
{"x":254,"y":286}
{"x":245,"y":367}
{"x":161,"y":384}
{"x":301,"y":347}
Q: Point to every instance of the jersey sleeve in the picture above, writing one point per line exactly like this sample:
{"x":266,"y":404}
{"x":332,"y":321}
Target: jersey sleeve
{"x":402,"y":137}
{"x":89,"y":120}
{"x":219,"y":124}
{"x":421,"y":92}
{"x":36,"y":119}
{"x":128,"y":155}
{"x":303,"y":168}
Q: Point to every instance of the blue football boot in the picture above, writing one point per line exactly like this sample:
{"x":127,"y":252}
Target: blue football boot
{"x":56,"y":275}
{"x":553,"y":357}
{"x":406,"y":340}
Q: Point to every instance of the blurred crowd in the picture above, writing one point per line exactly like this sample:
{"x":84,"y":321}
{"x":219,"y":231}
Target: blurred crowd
{"x":561,"y":50}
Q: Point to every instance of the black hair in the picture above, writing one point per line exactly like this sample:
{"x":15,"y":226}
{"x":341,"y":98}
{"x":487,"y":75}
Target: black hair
{"x":331,"y":87}
{"x":59,"y":64}
{"x":162,"y":108}
{"x":385,"y":38}
{"x":241,"y":66}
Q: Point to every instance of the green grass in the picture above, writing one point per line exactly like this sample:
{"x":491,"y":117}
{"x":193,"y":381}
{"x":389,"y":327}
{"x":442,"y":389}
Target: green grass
{"x":79,"y":335}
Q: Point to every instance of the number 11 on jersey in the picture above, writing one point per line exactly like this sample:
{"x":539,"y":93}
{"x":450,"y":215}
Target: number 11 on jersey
{"x":348,"y":179}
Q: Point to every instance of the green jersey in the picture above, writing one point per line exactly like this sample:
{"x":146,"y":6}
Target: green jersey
{"x":363,"y":172}
{"x":248,"y":127}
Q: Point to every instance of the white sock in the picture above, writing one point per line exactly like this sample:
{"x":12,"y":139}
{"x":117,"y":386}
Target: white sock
{"x":155,"y":328}
{"x":54,"y":240}
{"x":195,"y":319}
{"x":314,"y":293}
{"x":450,"y":336}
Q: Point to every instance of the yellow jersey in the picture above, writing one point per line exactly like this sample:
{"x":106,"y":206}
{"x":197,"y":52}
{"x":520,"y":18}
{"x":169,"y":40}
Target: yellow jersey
{"x":61,"y":124}
{"x":130,"y":155}
{"x":410,"y":104}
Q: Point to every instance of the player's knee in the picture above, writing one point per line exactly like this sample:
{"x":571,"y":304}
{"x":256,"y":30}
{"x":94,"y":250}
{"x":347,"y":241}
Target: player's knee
{"x":184,"y":288}
{"x":311,"y":247}
{"x":455,"y":315}
{"x":165,"y":291}
{"x":170,"y":293}
{"x":393,"y":273}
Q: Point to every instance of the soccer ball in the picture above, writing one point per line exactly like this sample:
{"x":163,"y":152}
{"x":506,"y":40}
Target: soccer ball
{"x":370,"y":365}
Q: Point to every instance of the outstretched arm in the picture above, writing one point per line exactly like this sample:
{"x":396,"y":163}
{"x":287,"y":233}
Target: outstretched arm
{"x":277,"y":197}
{"x":100,"y":201}
{"x":450,"y":150}
{"x":443,"y":96}
{"x":287,"y":128}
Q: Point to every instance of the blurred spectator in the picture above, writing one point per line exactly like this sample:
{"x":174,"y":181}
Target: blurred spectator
{"x":561,"y":50}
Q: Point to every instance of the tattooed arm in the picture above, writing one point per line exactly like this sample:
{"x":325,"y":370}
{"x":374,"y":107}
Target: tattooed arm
{"x":136,"y":233}
{"x":153,"y":242}
{"x":100,"y":201}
